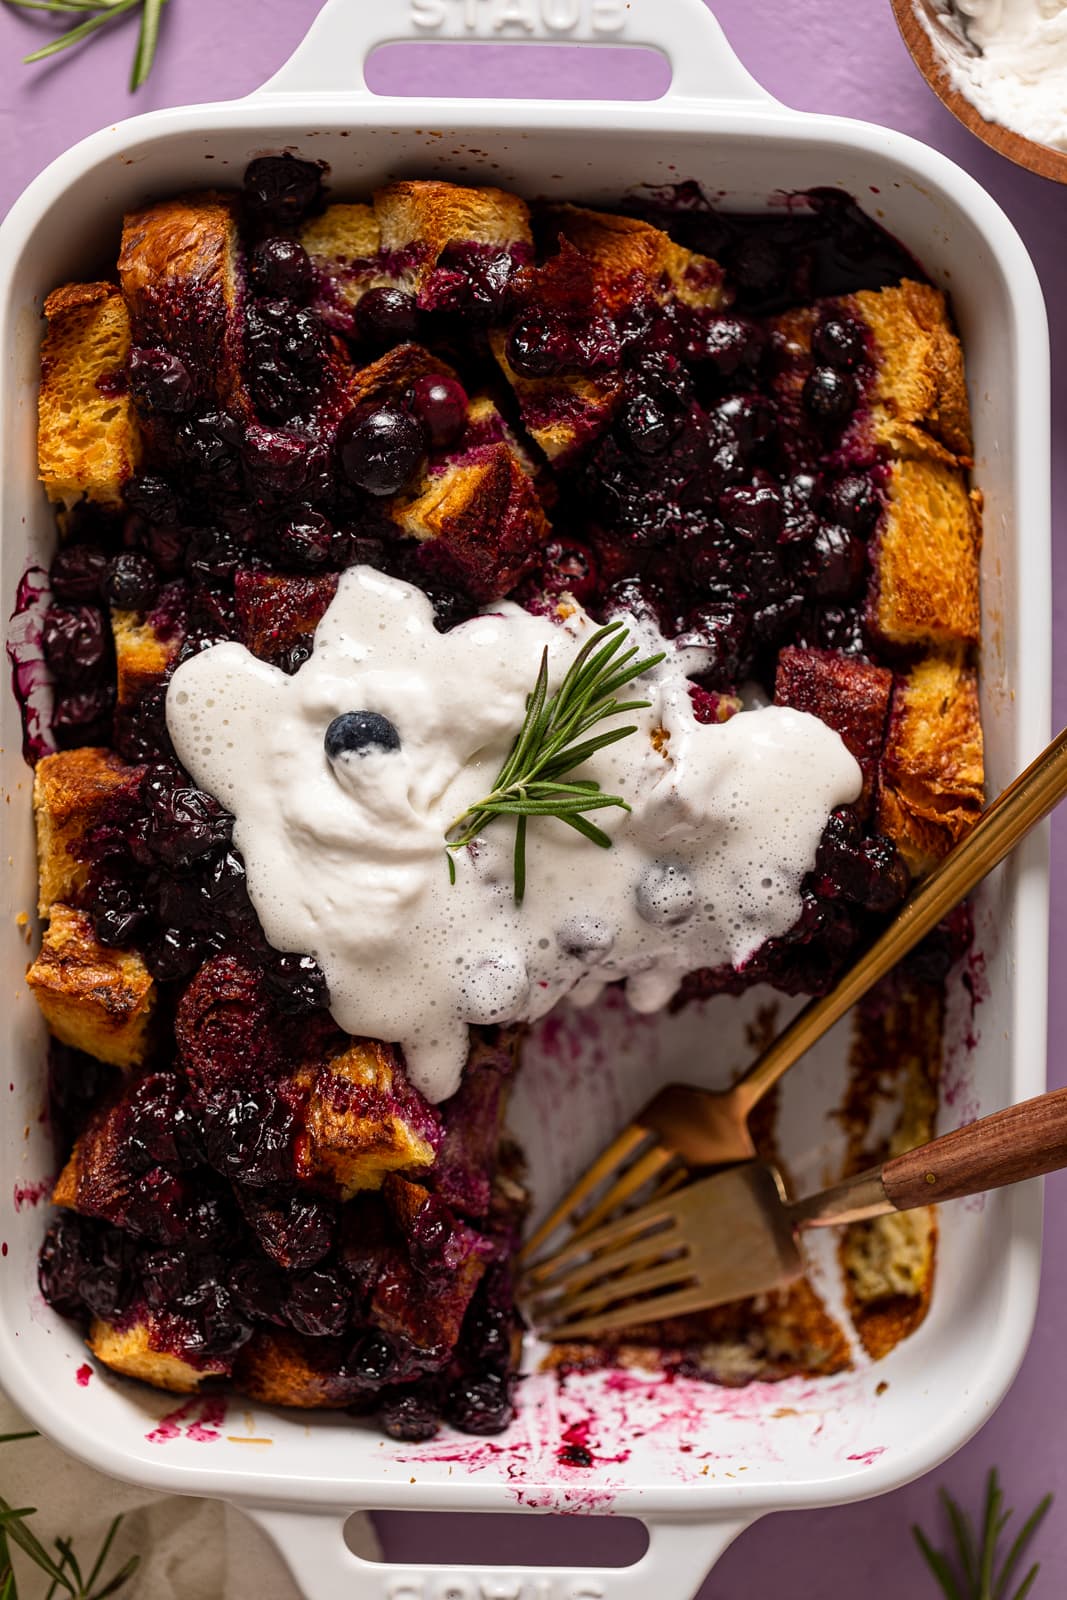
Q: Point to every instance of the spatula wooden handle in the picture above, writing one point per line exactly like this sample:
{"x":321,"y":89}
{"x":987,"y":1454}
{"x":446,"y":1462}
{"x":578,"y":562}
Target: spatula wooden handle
{"x":1023,"y":1141}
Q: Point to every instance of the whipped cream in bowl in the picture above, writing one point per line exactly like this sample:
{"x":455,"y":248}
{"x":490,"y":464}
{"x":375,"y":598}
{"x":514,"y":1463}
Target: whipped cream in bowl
{"x":1009,"y":59}
{"x":345,"y":777}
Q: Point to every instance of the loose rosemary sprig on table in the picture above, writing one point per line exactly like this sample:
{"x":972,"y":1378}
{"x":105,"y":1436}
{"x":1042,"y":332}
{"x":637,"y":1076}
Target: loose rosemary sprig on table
{"x":97,"y":14}
{"x":551,"y":743}
{"x":65,"y":1574}
{"x":973,"y":1572}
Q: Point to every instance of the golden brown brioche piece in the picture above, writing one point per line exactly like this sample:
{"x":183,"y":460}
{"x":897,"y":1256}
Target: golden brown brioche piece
{"x":423,"y":218}
{"x":132,"y":1349}
{"x":88,"y":440}
{"x":392,"y":374}
{"x":478,"y":508}
{"x":561,"y":414}
{"x":142,"y":656}
{"x":932,"y":777}
{"x":70,"y":791}
{"x":344,"y":243}
{"x":919,"y":391}
{"x":604,"y":264}
{"x":279,"y":1369}
{"x":357,"y":1130}
{"x":630,"y":259}
{"x":925,"y":583}
{"x":98,"y":1000}
{"x":178,"y":269}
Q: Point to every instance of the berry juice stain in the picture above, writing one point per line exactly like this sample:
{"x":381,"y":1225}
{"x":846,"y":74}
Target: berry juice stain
{"x":83,"y":1374}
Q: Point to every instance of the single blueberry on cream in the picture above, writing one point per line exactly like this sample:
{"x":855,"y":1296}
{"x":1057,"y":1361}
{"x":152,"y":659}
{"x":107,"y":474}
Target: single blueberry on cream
{"x":341,"y":818}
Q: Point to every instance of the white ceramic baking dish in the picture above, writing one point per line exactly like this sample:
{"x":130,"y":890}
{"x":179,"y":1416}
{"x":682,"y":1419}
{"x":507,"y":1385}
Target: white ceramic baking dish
{"x":696,"y":1463}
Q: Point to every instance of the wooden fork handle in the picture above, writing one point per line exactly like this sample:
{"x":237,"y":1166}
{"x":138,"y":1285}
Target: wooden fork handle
{"x":1023,"y":1141}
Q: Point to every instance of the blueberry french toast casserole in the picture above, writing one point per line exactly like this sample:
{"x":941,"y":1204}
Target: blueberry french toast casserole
{"x":331,"y":478}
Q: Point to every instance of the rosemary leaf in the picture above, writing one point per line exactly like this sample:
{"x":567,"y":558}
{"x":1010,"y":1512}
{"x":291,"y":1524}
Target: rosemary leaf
{"x":147,"y":40}
{"x":119,"y":1581}
{"x":1022,"y":1539}
{"x":551,"y":744}
{"x":9,"y":1438}
{"x":964,"y":1540}
{"x":76,"y":35}
{"x":939,"y":1567}
{"x":14,"y":1525}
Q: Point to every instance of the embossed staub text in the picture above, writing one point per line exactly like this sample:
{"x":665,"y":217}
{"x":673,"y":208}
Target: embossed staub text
{"x":489,"y":19}
{"x":458,"y":1586}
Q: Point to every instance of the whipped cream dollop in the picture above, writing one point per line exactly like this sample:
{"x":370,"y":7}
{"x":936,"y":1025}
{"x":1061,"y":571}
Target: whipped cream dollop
{"x":1009,"y":59}
{"x":345,"y":852}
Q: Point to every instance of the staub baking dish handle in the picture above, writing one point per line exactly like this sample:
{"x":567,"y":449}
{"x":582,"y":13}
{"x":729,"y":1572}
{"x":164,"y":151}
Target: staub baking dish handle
{"x":332,"y":57}
{"x":679,"y":1556}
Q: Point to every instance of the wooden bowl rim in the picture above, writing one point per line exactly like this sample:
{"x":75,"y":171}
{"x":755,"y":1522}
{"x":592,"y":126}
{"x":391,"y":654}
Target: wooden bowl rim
{"x":1039,"y":158}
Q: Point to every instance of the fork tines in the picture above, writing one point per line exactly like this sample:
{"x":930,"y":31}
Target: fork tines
{"x":574,"y":1293}
{"x":634,"y":1166}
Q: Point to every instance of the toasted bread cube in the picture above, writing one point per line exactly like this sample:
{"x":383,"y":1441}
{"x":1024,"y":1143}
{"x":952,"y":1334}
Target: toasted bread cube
{"x":420,"y":220}
{"x":277,"y":614}
{"x":925,"y":580}
{"x":364,"y":1120}
{"x":850,"y":696}
{"x":178,"y":266}
{"x":479,"y":518}
{"x":392,"y":374}
{"x":919,"y":385}
{"x":98,"y":1000}
{"x":629,"y":257}
{"x":933,"y":777}
{"x":142,"y":655}
{"x":344,"y":244}
{"x":88,"y":439}
{"x":134,"y":1350}
{"x":276,"y":1368}
{"x":562,"y":414}
{"x":71,"y":790}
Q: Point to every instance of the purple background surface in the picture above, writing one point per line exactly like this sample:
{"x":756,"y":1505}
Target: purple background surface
{"x":822,"y":55}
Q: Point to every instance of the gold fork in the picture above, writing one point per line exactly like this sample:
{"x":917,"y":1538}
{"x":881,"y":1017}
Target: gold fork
{"x":684,"y":1127}
{"x":734,"y":1234}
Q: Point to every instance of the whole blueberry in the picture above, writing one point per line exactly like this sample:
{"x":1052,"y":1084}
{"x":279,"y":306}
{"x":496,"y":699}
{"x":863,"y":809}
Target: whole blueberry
{"x":753,"y":510}
{"x":283,"y":187}
{"x":132,"y":582}
{"x":75,"y":642}
{"x":282,"y":267}
{"x":276,"y":459}
{"x":305,"y":541}
{"x":854,"y":502}
{"x":440,"y":404}
{"x":838,"y":559}
{"x":371,"y":1358}
{"x":647,"y":425}
{"x":77,"y":572}
{"x":829,"y":395}
{"x":83,"y":716}
{"x":160,"y":381}
{"x":840,"y":342}
{"x":387,"y":316}
{"x":360,"y":733}
{"x":725,"y":344}
{"x":380,"y":450}
{"x":539,"y":346}
{"x":750,"y":418}
{"x":409,"y":1415}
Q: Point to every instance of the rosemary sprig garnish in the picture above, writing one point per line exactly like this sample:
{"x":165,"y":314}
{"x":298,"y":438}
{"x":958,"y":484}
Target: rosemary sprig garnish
{"x":97,"y":14}
{"x":65,"y":1575}
{"x":551,"y":744}
{"x":972,"y":1571}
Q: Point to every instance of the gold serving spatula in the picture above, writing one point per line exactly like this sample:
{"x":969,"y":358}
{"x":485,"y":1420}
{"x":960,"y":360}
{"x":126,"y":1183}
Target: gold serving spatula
{"x":687,"y":1127}
{"x":735,"y":1234}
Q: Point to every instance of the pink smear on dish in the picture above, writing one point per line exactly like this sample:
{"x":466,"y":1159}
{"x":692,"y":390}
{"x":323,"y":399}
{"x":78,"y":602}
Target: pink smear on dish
{"x":182,"y":1423}
{"x":83,"y":1374}
{"x":868,"y":1457}
{"x":31,"y":1194}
